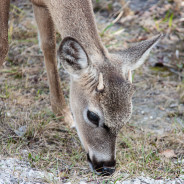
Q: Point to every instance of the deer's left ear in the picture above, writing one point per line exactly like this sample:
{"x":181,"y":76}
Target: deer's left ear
{"x":135,"y":56}
{"x":73,"y":56}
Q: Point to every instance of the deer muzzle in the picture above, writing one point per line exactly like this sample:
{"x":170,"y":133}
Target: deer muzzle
{"x":102,"y":168}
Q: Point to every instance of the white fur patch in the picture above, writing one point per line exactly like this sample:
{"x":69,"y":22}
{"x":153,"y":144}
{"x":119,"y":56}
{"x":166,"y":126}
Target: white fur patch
{"x":83,"y":61}
{"x":104,"y":156}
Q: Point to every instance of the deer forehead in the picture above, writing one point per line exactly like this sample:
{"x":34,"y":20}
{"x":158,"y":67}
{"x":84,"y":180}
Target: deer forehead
{"x":117,"y":92}
{"x":117,"y":95}
{"x":115,"y":85}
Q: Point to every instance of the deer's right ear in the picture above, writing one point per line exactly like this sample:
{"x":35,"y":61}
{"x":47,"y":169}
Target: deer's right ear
{"x":135,"y":56}
{"x":72,"y":56}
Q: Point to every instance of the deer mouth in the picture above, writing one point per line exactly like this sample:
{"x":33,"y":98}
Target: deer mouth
{"x":100,"y":169}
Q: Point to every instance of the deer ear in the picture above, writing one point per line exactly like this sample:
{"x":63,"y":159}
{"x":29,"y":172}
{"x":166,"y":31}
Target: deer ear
{"x":73,"y":56}
{"x":135,"y":56}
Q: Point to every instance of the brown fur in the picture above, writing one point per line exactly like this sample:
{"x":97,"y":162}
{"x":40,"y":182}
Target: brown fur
{"x":84,"y":57}
{"x":4,"y":12}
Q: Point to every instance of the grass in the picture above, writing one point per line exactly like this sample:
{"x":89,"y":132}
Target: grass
{"x":5,"y":92}
{"x":142,"y":154}
{"x":51,"y":146}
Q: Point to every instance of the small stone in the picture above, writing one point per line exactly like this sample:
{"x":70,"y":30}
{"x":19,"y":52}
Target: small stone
{"x":21,"y":131}
{"x":173,"y":105}
{"x":145,"y":118}
{"x":177,"y":54}
{"x":8,"y":114}
{"x":83,"y":182}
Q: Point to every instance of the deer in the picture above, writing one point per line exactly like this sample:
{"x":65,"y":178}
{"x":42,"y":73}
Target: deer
{"x":101,"y":86}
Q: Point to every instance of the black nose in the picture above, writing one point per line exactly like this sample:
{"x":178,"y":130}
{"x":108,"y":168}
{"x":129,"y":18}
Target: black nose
{"x":102,"y":168}
{"x":106,"y":171}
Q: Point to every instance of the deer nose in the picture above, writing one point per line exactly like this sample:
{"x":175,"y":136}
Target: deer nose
{"x":102,"y":168}
{"x":106,"y":171}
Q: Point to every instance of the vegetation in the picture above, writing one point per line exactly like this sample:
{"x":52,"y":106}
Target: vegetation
{"x":30,"y":131}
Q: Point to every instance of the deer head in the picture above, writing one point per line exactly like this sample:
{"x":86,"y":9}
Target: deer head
{"x":101,"y":96}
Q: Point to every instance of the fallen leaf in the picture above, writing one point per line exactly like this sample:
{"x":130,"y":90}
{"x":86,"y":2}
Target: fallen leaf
{"x":168,"y":153}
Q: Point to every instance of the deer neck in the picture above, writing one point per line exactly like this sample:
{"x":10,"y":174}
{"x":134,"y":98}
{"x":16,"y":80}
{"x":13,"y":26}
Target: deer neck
{"x":75,"y":18}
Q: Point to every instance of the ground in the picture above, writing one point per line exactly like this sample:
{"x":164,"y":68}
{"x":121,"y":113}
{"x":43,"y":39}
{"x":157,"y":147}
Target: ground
{"x":42,"y":149}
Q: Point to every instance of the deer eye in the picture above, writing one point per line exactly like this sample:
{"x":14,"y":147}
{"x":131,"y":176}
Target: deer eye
{"x":93,"y":117}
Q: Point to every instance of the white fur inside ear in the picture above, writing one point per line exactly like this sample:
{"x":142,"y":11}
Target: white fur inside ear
{"x":75,"y":54}
{"x":83,"y":60}
{"x":73,"y":57}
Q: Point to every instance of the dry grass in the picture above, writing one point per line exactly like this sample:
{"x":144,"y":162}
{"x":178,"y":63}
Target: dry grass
{"x":53,"y":147}
{"x":49,"y":145}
